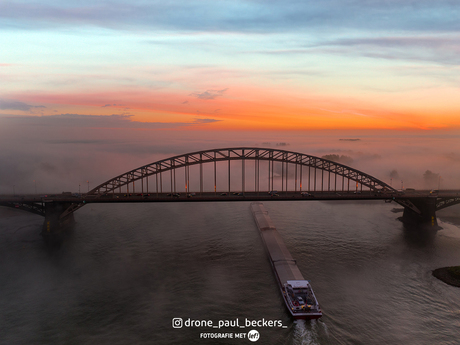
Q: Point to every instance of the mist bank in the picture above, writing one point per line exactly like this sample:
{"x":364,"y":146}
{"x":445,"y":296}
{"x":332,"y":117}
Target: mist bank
{"x":53,"y":159}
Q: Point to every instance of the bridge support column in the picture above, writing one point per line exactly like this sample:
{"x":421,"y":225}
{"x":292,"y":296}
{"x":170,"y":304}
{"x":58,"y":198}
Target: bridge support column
{"x":427,"y":215}
{"x":56,"y":224}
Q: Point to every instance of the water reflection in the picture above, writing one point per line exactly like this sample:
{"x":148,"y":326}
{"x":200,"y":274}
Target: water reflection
{"x":123,"y":273}
{"x":419,"y":236}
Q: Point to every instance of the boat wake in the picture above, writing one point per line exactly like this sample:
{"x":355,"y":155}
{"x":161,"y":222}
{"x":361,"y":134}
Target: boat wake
{"x":309,"y":332}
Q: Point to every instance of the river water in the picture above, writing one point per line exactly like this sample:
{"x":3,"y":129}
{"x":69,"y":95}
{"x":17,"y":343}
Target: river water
{"x":127,"y":270}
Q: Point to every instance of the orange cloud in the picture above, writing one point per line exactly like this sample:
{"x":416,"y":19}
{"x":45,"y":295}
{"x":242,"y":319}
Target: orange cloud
{"x":245,"y":107}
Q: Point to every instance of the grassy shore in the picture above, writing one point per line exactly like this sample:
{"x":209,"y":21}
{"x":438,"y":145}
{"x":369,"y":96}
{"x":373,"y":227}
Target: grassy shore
{"x":449,"y":275}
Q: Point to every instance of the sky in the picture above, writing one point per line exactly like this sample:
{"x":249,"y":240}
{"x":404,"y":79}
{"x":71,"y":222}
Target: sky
{"x":91,"y":89}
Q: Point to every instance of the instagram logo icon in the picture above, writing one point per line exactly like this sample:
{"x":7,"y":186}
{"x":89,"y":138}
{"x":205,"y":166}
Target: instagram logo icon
{"x":177,"y":322}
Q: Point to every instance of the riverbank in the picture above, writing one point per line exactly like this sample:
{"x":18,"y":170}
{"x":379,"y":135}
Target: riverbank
{"x":449,"y":275}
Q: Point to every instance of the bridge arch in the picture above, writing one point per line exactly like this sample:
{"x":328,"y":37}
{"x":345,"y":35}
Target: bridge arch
{"x":276,"y":163}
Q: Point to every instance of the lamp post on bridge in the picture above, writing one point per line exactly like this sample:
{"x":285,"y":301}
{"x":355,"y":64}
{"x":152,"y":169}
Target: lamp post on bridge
{"x":88,"y":186}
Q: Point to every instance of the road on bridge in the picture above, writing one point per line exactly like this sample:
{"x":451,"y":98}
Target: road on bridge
{"x":225,"y":196}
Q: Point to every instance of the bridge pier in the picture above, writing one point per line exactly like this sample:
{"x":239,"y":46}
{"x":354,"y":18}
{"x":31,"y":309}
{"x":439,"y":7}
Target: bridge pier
{"x":424,"y":212}
{"x":56,"y":223}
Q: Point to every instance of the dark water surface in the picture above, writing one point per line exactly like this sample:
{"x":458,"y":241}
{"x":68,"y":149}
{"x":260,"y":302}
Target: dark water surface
{"x":126,"y":271}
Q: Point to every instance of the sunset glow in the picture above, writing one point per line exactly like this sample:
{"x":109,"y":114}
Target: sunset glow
{"x":356,"y":74}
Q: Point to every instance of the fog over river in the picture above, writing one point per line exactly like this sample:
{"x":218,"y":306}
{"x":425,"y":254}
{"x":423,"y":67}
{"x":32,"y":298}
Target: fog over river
{"x":127,"y":270}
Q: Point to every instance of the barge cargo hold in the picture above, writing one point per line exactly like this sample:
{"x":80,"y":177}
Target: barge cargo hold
{"x":297,"y":292}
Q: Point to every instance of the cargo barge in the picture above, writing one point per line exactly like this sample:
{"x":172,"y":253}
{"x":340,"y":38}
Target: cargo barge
{"x":297,"y":292}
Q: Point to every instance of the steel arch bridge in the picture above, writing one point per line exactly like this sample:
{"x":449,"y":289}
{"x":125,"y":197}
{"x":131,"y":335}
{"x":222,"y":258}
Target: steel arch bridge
{"x":247,"y":172}
{"x":285,"y":170}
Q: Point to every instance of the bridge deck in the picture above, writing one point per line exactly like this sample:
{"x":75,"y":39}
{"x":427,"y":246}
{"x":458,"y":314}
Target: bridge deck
{"x":213,"y":197}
